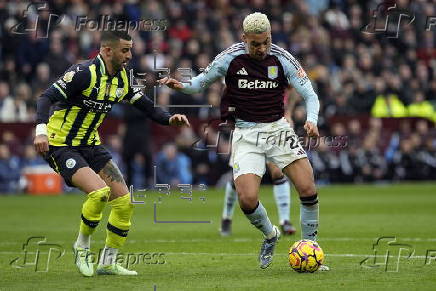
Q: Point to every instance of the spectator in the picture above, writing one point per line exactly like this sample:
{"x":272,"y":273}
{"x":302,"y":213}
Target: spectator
{"x":354,"y":132}
{"x":420,"y":107}
{"x":42,"y":77}
{"x":56,"y":58}
{"x":31,"y":158}
{"x":9,"y":171}
{"x":427,"y":158}
{"x":405,"y":163}
{"x":136,"y":142}
{"x":173,"y":167}
{"x":12,"y":108}
{"x":373,"y":166}
{"x":9,"y":139}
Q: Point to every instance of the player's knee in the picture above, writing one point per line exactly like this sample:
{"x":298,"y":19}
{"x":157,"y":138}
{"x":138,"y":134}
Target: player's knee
{"x":276,"y":174}
{"x":307,"y":190}
{"x":247,"y":202}
{"x":101,"y":194}
{"x":119,"y":190}
{"x":123,"y":202}
{"x":95,"y":187}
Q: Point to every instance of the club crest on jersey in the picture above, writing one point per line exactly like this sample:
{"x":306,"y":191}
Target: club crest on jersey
{"x":119,"y":92}
{"x":68,"y":77}
{"x":70,"y":163}
{"x":273,"y":72}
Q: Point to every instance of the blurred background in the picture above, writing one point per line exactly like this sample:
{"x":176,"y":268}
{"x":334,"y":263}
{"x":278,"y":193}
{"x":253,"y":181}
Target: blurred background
{"x":377,"y":90}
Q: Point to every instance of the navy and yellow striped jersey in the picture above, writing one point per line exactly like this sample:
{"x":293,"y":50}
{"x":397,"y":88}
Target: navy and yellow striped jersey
{"x":83,"y":96}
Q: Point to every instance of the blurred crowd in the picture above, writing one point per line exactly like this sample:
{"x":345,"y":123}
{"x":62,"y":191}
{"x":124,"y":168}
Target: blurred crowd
{"x":351,"y":152}
{"x":354,"y":71}
{"x":377,"y":154}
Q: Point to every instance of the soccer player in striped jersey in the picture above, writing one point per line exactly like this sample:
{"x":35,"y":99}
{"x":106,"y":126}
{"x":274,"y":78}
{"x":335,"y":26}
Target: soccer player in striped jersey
{"x":256,"y":74}
{"x":69,"y":141}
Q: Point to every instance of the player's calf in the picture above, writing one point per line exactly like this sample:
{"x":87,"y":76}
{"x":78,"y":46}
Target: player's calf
{"x":117,"y":229}
{"x":309,"y":216}
{"x":306,"y":190}
{"x":91,"y":215}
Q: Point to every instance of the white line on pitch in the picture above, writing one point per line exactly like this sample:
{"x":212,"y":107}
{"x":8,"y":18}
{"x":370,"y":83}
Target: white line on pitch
{"x":240,"y":240}
{"x":238,"y":255}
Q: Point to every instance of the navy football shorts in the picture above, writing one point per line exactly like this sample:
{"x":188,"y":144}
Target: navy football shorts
{"x":66,"y":160}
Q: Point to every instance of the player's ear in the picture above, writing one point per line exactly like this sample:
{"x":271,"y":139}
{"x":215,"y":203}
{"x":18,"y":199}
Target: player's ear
{"x":108,"y":51}
{"x":244,"y":38}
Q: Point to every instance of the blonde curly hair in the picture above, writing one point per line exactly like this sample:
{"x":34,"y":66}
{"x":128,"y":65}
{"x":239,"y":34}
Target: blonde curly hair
{"x":256,"y":23}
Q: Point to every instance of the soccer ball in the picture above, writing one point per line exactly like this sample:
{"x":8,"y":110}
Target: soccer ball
{"x":305,"y":256}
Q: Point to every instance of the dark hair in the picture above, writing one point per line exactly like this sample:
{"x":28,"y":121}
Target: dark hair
{"x":111,"y":36}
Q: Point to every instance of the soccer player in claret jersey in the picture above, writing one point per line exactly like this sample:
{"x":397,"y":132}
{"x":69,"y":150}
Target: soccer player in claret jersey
{"x":69,"y":142}
{"x":257,"y":73}
{"x":282,"y":196}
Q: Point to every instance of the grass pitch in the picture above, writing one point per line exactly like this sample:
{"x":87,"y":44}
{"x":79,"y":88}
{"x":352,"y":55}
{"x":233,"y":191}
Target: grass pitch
{"x":193,"y":256}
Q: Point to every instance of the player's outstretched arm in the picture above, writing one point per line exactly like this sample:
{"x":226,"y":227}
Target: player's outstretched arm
{"x":171,"y":83}
{"x":298,"y":79}
{"x":143,"y":103}
{"x":214,"y":71}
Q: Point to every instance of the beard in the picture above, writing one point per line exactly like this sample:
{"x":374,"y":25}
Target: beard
{"x":117,"y":65}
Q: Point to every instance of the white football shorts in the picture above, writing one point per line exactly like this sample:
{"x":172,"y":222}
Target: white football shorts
{"x":274,"y":142}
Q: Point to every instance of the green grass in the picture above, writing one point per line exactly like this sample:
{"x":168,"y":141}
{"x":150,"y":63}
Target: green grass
{"x":198,"y":258}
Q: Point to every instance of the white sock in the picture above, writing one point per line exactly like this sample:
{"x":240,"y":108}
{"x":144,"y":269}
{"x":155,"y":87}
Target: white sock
{"x":272,"y":234}
{"x":282,"y":195}
{"x":309,"y":216}
{"x":259,"y":218}
{"x":229,"y":201}
{"x":108,"y":256}
{"x":83,"y":241}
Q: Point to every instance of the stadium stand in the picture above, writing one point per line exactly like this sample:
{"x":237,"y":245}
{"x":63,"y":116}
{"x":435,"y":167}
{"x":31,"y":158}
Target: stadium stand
{"x":359,"y":77}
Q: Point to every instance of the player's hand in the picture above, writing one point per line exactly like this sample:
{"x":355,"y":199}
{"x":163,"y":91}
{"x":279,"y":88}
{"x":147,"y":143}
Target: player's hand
{"x":179,"y":120}
{"x":311,"y":129}
{"x":171,"y":83}
{"x":41,"y":144}
{"x":288,"y":118}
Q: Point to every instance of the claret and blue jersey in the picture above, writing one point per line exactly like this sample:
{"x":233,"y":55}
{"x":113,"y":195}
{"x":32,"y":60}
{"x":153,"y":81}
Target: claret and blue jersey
{"x":255,"y":88}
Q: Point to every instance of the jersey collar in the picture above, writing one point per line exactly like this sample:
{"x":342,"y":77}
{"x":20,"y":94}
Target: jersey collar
{"x":102,"y":64}
{"x":103,"y":67}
